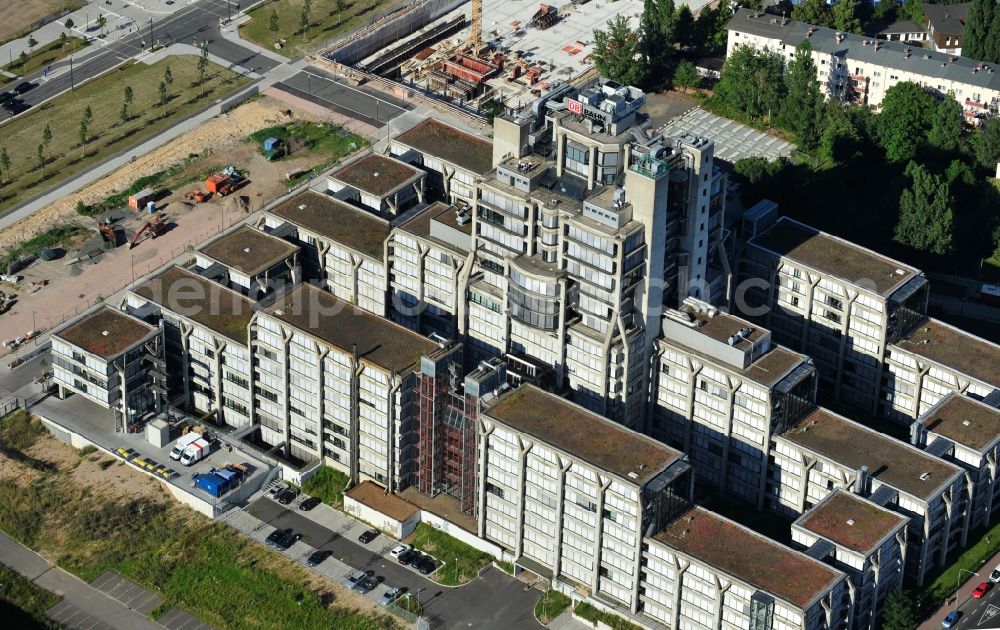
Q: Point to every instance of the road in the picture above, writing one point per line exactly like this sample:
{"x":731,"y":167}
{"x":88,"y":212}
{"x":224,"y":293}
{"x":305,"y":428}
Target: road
{"x":360,"y":103}
{"x":494,"y":601}
{"x":194,"y":24}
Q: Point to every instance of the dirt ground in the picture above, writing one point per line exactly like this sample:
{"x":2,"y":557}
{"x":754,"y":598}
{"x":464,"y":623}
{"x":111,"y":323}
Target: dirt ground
{"x":20,"y":15}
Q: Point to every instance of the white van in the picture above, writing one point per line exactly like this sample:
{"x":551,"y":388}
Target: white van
{"x":182,"y":443}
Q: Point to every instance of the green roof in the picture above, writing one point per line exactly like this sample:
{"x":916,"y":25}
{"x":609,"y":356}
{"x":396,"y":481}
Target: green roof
{"x":106,"y":332}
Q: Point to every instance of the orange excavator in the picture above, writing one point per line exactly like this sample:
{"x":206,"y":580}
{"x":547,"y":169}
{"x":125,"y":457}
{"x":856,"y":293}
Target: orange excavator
{"x":196,"y":196}
{"x":154,"y":227}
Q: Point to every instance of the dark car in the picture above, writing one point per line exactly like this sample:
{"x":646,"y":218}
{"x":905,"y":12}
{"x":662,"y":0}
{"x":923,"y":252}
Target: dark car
{"x":365,"y":585}
{"x":14,"y":106}
{"x":23,"y":87}
{"x":427,"y":565}
{"x":288,"y":540}
{"x":286,"y":496}
{"x":318,"y":556}
{"x":368,"y":536}
{"x":407,"y":557}
{"x":276,"y":535}
{"x":6,"y":96}
{"x":310,"y":503}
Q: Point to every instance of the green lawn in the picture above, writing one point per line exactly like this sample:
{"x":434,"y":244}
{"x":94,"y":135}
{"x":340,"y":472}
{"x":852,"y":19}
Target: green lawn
{"x":462,"y":563}
{"x":108,"y":135}
{"x":315,"y":137}
{"x":18,"y":430}
{"x":550,"y":606}
{"x":326,"y":22}
{"x":328,"y":484}
{"x":47,"y":54}
{"x":588,"y":612}
{"x":22,"y":604}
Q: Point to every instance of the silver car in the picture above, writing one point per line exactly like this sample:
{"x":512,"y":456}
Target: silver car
{"x":391,"y":595}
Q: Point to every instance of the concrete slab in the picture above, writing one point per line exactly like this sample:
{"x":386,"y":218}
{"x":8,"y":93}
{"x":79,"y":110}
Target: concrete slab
{"x":127,"y":592}
{"x":179,"y":619}
{"x":733,"y":141}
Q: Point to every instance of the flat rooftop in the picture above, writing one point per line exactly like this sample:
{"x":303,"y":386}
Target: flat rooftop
{"x":834,"y":256}
{"x":249,"y":250}
{"x":571,"y":428}
{"x":848,"y":520}
{"x":372,"y":495}
{"x":377,"y":175}
{"x":336,"y":220}
{"x":420,"y":224}
{"x":202,"y":301}
{"x":956,"y":349}
{"x":106,"y":332}
{"x":889,"y":460}
{"x":749,"y":557}
{"x":964,"y":421}
{"x":451,"y":145}
{"x":379,"y":341}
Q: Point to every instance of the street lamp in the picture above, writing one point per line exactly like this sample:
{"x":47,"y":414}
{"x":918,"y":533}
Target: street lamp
{"x":958,"y":580}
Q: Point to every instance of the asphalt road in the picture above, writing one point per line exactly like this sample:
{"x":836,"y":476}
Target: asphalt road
{"x":193,"y":24}
{"x":979,"y":613}
{"x":494,"y":601}
{"x":373,"y":108}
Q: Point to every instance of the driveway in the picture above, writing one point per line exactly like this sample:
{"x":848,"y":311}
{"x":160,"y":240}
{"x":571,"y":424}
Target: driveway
{"x":494,"y":601}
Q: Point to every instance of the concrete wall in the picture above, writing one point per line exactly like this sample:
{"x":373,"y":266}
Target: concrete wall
{"x":457,"y":532}
{"x":384,"y":35}
{"x":239,"y":99}
{"x":397,"y":529}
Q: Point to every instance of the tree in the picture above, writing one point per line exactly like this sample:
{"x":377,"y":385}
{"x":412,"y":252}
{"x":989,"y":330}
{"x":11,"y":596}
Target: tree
{"x":926,"y":219}
{"x":617,"y":53}
{"x":40,"y":155}
{"x":32,"y":42}
{"x":815,"y":12}
{"x":69,"y":23}
{"x":62,"y":38}
{"x":800,"y":110}
{"x":885,"y":11}
{"x":899,"y":612}
{"x":686,"y":75}
{"x":202,"y":66}
{"x":340,"y":6}
{"x":845,"y":16}
{"x":986,"y":143}
{"x":273,"y":27}
{"x":947,"y":130}
{"x":123,"y":113}
{"x":168,"y":77}
{"x":656,"y":29}
{"x":127,"y":104}
{"x":22,"y":59}
{"x":685,"y":32}
{"x":982,"y":29}
{"x":88,"y":114}
{"x":911,"y":10}
{"x":752,"y":81}
{"x":5,"y":164}
{"x":101,"y":22}
{"x":304,"y":16}
{"x":163,"y":95}
{"x":84,"y":134}
{"x":46,"y":136}
{"x":907,"y":111}
{"x":840,"y":137}
{"x":711,"y":34}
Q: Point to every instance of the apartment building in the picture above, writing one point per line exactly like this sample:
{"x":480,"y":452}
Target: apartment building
{"x":336,"y":383}
{"x":705,"y":572}
{"x":378,"y":184}
{"x":933,"y":360}
{"x":722,"y":389}
{"x":205,"y":329}
{"x":454,"y":160}
{"x":946,"y":25}
{"x":840,"y":303}
{"x":864,"y":540}
{"x":857,"y":69}
{"x":966,"y":432}
{"x":825,"y":451}
{"x":570,"y":494}
{"x":343,"y":247}
{"x":112,"y":359}
{"x":250,"y":261}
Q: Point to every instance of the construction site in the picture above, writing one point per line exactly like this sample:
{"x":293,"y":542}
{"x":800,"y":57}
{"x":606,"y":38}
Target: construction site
{"x":471,"y":53}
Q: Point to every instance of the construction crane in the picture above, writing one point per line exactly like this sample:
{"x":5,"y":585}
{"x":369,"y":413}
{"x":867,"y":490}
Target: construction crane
{"x":477,"y":25}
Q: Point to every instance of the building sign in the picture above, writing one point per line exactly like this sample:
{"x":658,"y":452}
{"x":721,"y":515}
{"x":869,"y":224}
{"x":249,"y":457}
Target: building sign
{"x":574,"y":106}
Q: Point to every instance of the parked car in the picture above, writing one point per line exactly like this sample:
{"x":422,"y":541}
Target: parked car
{"x":427,"y":565}
{"x":356,"y":576}
{"x":416,"y":559}
{"x":397,"y":550}
{"x":368,"y":536}
{"x":6,"y":96}
{"x":995,"y":576}
{"x":406,"y":557}
{"x":14,"y":106}
{"x":23,"y":87}
{"x":391,"y":595}
{"x":951,"y":619}
{"x":318,"y":556}
{"x":276,"y":489}
{"x":365,"y":585}
{"x":310,"y":503}
{"x":982,"y":589}
{"x":277,"y":535}
{"x":288,"y":540}
{"x":286,"y":496}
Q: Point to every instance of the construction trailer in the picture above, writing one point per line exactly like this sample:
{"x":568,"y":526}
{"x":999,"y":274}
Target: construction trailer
{"x":141,"y":198}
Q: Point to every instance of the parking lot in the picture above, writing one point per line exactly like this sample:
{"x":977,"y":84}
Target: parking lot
{"x":494,"y":601}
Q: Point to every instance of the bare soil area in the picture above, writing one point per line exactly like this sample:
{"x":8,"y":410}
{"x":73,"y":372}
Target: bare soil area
{"x":20,"y":15}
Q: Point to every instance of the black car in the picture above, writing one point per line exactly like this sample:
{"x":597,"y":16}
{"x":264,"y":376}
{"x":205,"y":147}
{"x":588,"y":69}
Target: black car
{"x":426,"y":566}
{"x":368,"y":536}
{"x":276,"y":535}
{"x":6,"y":96}
{"x":286,"y":496}
{"x":318,"y":556}
{"x":310,"y":503}
{"x":407,"y":557}
{"x":288,"y":540}
{"x":365,"y":585}
{"x":23,"y":87}
{"x":14,"y":106}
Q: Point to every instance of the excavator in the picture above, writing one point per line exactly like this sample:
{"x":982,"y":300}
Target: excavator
{"x":154,"y":227}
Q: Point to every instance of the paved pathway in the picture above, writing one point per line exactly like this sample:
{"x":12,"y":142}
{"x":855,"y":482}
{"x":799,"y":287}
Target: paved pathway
{"x":82,"y":604}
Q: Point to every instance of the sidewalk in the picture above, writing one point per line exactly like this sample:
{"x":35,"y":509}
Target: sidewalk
{"x":962,"y":595}
{"x":73,"y":590}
